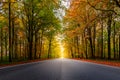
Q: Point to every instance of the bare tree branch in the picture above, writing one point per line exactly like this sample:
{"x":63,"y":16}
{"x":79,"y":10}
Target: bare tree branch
{"x":105,"y":10}
{"x":117,"y":2}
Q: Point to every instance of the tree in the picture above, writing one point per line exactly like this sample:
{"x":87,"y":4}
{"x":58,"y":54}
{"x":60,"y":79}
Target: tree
{"x":96,"y":19}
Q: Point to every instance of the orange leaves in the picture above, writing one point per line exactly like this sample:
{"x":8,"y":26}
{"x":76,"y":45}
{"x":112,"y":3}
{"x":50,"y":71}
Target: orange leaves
{"x":20,"y":34}
{"x":12,"y":0}
{"x":80,"y":12}
{"x":77,"y":8}
{"x":70,"y":33}
{"x":111,"y":63}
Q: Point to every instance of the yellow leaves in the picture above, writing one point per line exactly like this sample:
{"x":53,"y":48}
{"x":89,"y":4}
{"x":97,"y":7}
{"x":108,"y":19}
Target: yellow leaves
{"x":17,"y":21}
{"x":8,"y":0}
{"x":2,"y":18}
{"x":12,"y":0}
{"x":55,"y":1}
{"x":5,"y":6}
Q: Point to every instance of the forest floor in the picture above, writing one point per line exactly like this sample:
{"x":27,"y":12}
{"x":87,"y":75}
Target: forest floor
{"x":105,"y":62}
{"x":5,"y":64}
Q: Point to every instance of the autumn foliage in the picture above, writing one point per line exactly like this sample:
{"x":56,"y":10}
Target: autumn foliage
{"x":92,"y":29}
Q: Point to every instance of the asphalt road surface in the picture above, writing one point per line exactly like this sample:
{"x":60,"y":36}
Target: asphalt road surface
{"x":60,"y":69}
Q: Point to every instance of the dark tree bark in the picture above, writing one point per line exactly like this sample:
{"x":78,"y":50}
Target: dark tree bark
{"x":1,"y":44}
{"x":101,"y":39}
{"x":119,"y":46}
{"x":109,"y":35}
{"x":91,"y":44}
{"x":41,"y":44}
{"x":13,"y":37}
{"x":117,"y":2}
{"x":30,"y":30}
{"x":24,"y":49}
{"x":16,"y":47}
{"x":40,"y":47}
{"x":114,"y":33}
{"x":94,"y":37}
{"x":10,"y":32}
{"x":104,"y":56}
{"x":98,"y":48}
{"x":35,"y":47}
{"x":6,"y":45}
{"x":20,"y":48}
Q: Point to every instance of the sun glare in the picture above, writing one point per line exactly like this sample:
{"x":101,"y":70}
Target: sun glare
{"x":61,"y":46}
{"x":62,"y":51}
{"x":62,"y":57}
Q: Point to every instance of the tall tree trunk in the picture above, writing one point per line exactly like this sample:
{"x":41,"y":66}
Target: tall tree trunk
{"x":40,"y":47}
{"x":101,"y":39}
{"x":1,"y":44}
{"x":94,"y":37}
{"x":119,"y":46}
{"x":25,"y":53}
{"x":98,"y":48}
{"x":16,"y":47}
{"x":10,"y":31}
{"x":91,"y":45}
{"x":20,"y":48}
{"x":75,"y":50}
{"x":78,"y":49}
{"x":73,"y":47}
{"x":26,"y":49}
{"x":104,"y":56}
{"x":13,"y":37}
{"x":49,"y":48}
{"x":30,"y":38}
{"x":41,"y":43}
{"x":86,"y":44}
{"x":35,"y":47}
{"x":109,"y":35}
{"x":83,"y":43}
{"x":6,"y":45}
{"x":86,"y":49}
{"x":71,"y":50}
{"x":114,"y":41}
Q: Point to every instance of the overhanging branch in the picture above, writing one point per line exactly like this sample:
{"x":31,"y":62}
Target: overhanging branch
{"x":105,"y":10}
{"x":117,"y":3}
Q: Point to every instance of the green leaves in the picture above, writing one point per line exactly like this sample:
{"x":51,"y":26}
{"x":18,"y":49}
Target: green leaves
{"x":2,"y":23}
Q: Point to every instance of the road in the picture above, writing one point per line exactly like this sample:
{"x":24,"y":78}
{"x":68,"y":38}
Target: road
{"x":60,"y":69}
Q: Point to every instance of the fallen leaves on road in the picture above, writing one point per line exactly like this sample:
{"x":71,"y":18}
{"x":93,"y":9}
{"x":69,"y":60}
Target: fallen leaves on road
{"x":106,"y":62}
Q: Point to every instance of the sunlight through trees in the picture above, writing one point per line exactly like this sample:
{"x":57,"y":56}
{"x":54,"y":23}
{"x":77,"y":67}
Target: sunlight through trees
{"x":37,"y":29}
